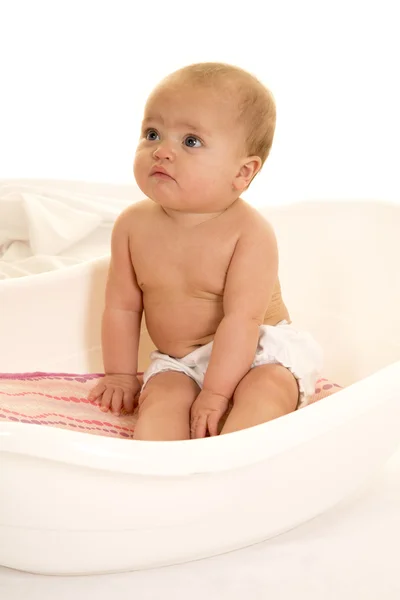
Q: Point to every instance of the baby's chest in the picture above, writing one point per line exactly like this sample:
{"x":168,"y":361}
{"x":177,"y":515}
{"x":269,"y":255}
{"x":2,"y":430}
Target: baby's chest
{"x":190,"y":265}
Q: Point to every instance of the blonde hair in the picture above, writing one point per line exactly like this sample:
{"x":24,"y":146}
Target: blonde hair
{"x":256,"y":104}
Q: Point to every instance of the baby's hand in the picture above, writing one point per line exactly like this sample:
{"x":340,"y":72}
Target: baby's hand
{"x":116,"y":391}
{"x":207,"y":411}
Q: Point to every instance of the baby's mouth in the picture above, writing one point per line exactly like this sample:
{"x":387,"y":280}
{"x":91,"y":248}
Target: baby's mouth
{"x":160,"y":173}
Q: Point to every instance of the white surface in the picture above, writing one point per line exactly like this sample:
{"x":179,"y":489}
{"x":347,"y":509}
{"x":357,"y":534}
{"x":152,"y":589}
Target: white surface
{"x":332,"y":302}
{"x":47,"y":227}
{"x":349,"y":553}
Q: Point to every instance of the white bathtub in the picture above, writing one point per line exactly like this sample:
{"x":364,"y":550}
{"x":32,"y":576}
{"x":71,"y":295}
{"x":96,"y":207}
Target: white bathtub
{"x":76,"y":503}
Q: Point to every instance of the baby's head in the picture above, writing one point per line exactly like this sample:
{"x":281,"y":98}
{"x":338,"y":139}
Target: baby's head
{"x":207,"y":131}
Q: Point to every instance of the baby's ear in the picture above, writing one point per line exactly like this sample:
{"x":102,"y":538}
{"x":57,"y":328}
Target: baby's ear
{"x":248,"y":170}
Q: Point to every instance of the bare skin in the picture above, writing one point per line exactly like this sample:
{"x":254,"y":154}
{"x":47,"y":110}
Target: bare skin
{"x":182,"y":277}
{"x":181,"y":281}
{"x":202,"y":265}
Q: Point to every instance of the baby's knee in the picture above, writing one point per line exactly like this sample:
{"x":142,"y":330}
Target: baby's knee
{"x":272,"y":384}
{"x":155,"y":399}
{"x":150,"y":399}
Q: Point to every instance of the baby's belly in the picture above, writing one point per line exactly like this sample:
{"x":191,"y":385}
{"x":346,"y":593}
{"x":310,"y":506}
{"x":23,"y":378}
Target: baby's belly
{"x":177,"y":327}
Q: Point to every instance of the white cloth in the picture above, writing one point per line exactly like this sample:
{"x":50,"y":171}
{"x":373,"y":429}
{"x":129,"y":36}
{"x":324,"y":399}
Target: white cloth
{"x":45,"y":229}
{"x":278,"y":344}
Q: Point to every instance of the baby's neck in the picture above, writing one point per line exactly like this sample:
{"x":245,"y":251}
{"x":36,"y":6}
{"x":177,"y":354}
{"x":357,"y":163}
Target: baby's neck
{"x":189,"y":219}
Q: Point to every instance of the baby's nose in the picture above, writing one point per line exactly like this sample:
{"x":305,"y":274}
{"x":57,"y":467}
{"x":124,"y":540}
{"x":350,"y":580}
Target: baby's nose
{"x":164,"y":151}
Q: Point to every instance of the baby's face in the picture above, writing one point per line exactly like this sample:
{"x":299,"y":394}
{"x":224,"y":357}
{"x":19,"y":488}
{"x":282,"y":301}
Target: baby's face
{"x":190,"y":150}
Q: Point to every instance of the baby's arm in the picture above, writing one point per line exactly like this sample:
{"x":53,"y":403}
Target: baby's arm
{"x":120,"y":325}
{"x":249,"y":286}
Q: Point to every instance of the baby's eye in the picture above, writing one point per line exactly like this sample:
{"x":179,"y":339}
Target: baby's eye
{"x":191,"y":141}
{"x":151,"y":135}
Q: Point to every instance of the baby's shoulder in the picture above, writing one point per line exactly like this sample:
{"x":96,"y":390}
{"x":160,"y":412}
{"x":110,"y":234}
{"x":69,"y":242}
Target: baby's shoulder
{"x":252,"y":221}
{"x":134,"y":214}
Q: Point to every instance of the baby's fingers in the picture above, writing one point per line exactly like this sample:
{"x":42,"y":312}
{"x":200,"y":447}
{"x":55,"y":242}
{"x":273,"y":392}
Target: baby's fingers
{"x":129,"y":402}
{"x":116,"y":401}
{"x":199,"y":427}
{"x":97,"y":391}
{"x":213,"y":422}
{"x":106,"y":399}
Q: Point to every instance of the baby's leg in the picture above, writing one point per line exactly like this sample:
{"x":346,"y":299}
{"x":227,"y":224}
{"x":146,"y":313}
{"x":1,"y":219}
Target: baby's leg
{"x":265,"y":393}
{"x":164,"y":407}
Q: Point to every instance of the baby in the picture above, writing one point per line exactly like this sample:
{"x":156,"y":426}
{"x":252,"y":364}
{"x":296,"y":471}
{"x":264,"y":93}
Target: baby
{"x":203,"y":266}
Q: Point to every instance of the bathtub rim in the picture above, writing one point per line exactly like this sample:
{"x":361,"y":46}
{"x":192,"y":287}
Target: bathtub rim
{"x":211,"y":455}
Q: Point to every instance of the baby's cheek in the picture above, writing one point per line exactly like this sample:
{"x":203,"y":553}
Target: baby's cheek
{"x":139,"y":164}
{"x":206,"y":177}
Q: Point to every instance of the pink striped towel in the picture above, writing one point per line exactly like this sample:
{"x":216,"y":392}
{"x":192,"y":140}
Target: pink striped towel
{"x":60,"y":400}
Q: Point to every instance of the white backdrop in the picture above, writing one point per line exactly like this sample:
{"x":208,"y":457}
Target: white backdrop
{"x":74,"y":76}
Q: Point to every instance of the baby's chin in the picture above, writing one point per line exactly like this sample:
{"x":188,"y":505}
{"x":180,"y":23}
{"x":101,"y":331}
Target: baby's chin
{"x":166,"y":198}
{"x":175,"y":205}
{"x":184,"y":202}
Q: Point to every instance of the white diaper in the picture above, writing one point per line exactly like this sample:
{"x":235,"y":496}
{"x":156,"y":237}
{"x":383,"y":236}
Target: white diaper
{"x":278,"y":344}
